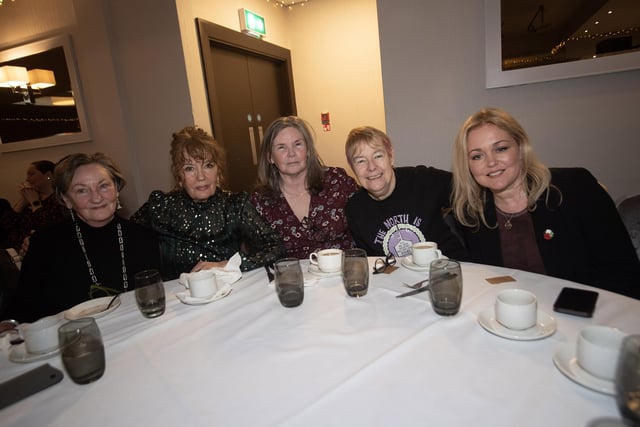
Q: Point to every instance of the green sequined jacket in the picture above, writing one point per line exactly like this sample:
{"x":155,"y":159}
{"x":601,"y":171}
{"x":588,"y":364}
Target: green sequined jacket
{"x":213,"y":230}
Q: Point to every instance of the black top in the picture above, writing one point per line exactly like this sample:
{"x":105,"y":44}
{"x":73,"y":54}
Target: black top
{"x":412,"y":213}
{"x":581,"y":239}
{"x":55,"y":276}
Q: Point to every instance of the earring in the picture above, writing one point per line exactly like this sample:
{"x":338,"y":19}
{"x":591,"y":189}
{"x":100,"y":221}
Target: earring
{"x":73,"y":218}
{"x":118,"y":205}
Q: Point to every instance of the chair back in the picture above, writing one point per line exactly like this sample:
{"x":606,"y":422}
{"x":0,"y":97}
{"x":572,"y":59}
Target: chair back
{"x":629,"y":210}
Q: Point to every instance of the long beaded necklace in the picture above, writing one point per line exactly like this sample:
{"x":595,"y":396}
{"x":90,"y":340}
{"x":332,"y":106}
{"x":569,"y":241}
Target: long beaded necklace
{"x":94,"y":279}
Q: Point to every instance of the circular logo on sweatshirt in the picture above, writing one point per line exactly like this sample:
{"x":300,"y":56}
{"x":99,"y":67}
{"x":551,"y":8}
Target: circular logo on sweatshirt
{"x":400,"y":238}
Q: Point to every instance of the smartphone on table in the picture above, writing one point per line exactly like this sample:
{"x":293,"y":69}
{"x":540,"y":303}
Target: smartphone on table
{"x":579,"y":302}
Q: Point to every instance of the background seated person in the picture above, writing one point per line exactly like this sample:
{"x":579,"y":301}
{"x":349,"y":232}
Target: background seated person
{"x":35,"y":207}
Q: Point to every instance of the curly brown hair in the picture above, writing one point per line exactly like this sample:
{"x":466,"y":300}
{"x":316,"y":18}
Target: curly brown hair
{"x":197,"y":144}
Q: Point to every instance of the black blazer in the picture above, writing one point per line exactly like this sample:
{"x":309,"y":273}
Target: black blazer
{"x":590,"y":243}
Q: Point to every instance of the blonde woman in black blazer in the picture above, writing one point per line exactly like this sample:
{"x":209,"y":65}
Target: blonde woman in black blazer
{"x":515,"y":212}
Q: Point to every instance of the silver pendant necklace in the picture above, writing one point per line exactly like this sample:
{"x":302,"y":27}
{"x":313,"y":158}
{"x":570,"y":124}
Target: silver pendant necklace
{"x":94,"y":279}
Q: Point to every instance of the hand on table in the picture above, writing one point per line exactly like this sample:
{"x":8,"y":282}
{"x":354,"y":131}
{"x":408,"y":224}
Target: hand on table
{"x":207,"y":265}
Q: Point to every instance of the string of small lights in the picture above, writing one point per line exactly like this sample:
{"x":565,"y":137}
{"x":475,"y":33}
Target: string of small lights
{"x":546,"y":58}
{"x":625,"y":31}
{"x":282,"y":3}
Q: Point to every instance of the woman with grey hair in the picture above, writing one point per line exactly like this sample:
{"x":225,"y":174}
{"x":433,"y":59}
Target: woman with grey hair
{"x":94,"y":253}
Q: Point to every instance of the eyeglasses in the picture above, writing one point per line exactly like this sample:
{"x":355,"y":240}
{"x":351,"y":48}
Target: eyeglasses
{"x":96,"y":290}
{"x":381,"y":264}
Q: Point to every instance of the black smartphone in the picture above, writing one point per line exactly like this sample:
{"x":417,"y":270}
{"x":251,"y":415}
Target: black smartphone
{"x":28,"y":383}
{"x":578,"y":302}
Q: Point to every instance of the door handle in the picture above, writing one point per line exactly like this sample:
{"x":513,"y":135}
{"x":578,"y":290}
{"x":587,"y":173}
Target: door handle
{"x":260,"y":134}
{"x":252,"y":141}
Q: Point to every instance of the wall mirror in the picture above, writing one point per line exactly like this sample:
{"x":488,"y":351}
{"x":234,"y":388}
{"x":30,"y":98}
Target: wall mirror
{"x":528,"y":42}
{"x":40,"y":96}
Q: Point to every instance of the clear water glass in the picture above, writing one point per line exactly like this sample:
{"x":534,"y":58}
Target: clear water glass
{"x":81,"y":350}
{"x":149,"y":292}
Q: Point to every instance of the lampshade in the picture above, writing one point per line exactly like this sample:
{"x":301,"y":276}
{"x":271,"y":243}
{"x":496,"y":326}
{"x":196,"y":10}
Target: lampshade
{"x":12,"y":76}
{"x":40,"y":79}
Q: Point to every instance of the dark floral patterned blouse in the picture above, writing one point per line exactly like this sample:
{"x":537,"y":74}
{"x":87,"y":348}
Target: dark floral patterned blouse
{"x":213,"y":230}
{"x":324,"y":227}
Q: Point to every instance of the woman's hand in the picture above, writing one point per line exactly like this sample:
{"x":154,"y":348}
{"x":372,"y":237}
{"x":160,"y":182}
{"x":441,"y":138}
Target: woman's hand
{"x":30,"y":196}
{"x":207,"y":265}
{"x":25,"y":245}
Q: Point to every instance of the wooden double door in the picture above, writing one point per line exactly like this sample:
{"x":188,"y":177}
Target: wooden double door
{"x":249,"y":84}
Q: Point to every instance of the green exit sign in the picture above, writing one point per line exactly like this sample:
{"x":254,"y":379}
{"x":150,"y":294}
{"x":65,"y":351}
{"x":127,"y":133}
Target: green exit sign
{"x":251,"y":23}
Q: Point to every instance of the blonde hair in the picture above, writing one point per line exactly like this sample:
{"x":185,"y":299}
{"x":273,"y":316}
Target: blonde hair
{"x":468,"y":198}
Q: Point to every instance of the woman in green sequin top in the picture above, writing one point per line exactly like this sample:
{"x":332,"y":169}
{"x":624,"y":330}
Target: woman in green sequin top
{"x":200,"y":225}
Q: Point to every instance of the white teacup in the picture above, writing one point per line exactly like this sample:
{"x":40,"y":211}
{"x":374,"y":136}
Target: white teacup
{"x":327,"y":260}
{"x":516,"y":309}
{"x":598,"y":349}
{"x":422,"y":253}
{"x":41,"y":336}
{"x":201,"y":284}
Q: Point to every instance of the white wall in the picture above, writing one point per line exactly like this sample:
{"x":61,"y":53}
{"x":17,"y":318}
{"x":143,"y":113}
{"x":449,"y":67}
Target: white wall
{"x":434,"y":78}
{"x":336,"y":58}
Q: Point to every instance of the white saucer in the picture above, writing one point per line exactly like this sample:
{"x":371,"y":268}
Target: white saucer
{"x":93,"y":308}
{"x":313,"y":269}
{"x":565,"y":360}
{"x":186,"y":298}
{"x":408,"y":262}
{"x":19,"y":354}
{"x":546,"y":326}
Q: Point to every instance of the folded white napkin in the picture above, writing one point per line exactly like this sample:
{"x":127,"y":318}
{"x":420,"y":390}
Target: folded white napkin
{"x":230,"y":273}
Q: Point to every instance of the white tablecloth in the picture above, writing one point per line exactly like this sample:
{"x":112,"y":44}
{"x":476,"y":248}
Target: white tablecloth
{"x":335,"y":360}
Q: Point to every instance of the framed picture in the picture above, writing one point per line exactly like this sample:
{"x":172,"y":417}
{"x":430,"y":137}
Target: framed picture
{"x":580,"y":46}
{"x":40,"y":96}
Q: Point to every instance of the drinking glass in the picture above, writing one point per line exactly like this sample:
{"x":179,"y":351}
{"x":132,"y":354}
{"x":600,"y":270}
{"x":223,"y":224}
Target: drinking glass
{"x":445,"y":286}
{"x":628,"y":380}
{"x":355,"y":272}
{"x":289,"y":282}
{"x":82,"y":350}
{"x":150,"y":293}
